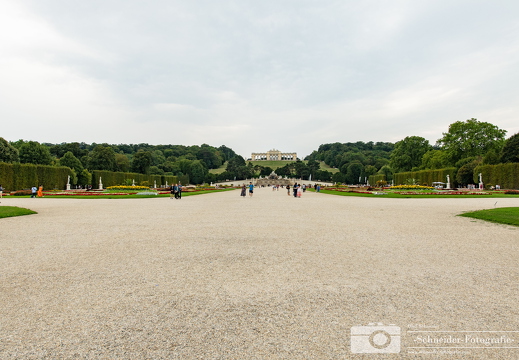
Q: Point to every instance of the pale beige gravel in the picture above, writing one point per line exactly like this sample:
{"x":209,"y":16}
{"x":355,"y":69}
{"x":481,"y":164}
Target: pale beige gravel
{"x":218,"y":276}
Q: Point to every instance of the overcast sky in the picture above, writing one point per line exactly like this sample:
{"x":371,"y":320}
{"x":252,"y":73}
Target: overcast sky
{"x":255,"y":75}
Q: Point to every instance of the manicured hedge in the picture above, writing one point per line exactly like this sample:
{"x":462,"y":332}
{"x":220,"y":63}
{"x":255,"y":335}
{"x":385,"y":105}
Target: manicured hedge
{"x":374,"y":178}
{"x":23,"y":176}
{"x":504,"y":175}
{"x":426,"y":177}
{"x":110,"y":178}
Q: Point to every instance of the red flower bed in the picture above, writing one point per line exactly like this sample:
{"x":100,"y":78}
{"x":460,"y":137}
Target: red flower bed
{"x":85,"y":194}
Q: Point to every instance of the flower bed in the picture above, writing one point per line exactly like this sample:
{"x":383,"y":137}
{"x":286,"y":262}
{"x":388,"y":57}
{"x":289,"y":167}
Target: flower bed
{"x":128,"y":187}
{"x":440,"y":193}
{"x":411,"y":187}
{"x":83,"y":193}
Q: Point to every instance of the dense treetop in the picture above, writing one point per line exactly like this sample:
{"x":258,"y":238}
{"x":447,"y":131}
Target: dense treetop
{"x":465,"y":145}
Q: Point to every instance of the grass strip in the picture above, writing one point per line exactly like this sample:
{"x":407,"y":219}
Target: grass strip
{"x":10,"y":211}
{"x":506,"y":215}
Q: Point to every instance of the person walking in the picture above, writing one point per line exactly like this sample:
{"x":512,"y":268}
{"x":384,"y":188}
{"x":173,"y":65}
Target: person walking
{"x":40,"y":191}
{"x":251,"y":189}
{"x":295,"y":189}
{"x":243,"y":191}
{"x":299,"y":191}
{"x":1,"y":191}
{"x":34,"y":189}
{"x":288,"y":190}
{"x":172,"y":190}
{"x":179,"y":191}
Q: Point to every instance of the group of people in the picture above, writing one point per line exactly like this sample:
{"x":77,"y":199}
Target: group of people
{"x":298,"y":189}
{"x":37,"y":191}
{"x":244,"y":190}
{"x":176,"y":191}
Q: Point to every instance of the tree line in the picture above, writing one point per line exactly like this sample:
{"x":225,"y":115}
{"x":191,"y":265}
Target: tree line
{"x":177,"y":160}
{"x":464,"y":146}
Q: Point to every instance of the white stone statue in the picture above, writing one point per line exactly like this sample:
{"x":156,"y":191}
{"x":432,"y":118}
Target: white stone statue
{"x":155,"y":184}
{"x":133,"y":182}
{"x":448,"y":182}
{"x":100,"y":184}
{"x":68,"y":182}
{"x":481,"y":181}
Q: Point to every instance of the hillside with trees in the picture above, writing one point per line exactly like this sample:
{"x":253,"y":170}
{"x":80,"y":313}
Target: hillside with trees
{"x":464,"y":147}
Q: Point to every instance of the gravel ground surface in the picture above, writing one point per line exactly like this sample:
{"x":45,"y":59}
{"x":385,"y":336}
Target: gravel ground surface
{"x":218,"y":276}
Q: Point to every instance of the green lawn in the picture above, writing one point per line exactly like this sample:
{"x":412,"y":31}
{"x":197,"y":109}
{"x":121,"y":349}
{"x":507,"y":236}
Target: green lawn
{"x":508,"y":215}
{"x":220,"y":170}
{"x":10,"y":211}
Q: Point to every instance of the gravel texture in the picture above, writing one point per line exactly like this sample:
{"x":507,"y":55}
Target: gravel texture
{"x":218,"y":276}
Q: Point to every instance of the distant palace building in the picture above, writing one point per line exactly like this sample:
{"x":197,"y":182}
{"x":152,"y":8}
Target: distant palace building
{"x":274,"y":155}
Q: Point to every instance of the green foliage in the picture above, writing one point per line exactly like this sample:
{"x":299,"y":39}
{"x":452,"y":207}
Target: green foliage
{"x":510,"y":153}
{"x":408,"y":153}
{"x":102,"y":157}
{"x":353,"y":173}
{"x":377,"y":179}
{"x":24,"y":176}
{"x":465,"y":174}
{"x":426,"y":177}
{"x":110,"y":178}
{"x":435,"y":159}
{"x":8,"y":153}
{"x":32,"y":152}
{"x":471,"y":138}
{"x":68,"y":159}
{"x":141,"y":162}
{"x":337,"y":155}
{"x":122,"y":163}
{"x":504,"y":175}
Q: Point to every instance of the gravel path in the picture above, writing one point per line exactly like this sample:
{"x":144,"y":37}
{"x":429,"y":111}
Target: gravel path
{"x":218,"y":276}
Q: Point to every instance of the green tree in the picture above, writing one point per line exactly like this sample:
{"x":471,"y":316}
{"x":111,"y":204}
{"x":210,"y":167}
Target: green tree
{"x":8,"y":153}
{"x":354,"y":172}
{"x":102,"y":157}
{"x":369,"y":170}
{"x":234,"y":163}
{"x":465,"y":174}
{"x":68,"y":159}
{"x":408,"y":153}
{"x":510,"y":151}
{"x":197,"y":172}
{"x":141,"y":162}
{"x":122,"y":163}
{"x":387,"y":171}
{"x":32,"y":152}
{"x":471,"y":138}
{"x":435,"y":159}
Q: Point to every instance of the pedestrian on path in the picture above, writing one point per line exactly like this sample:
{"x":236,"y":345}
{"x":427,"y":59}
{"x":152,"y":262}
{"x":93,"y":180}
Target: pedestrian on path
{"x":40,"y":191}
{"x":1,"y":191}
{"x":288,"y":190}
{"x":178,"y":194}
{"x":251,"y":189}
{"x":243,"y":191}
{"x":295,"y":187}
